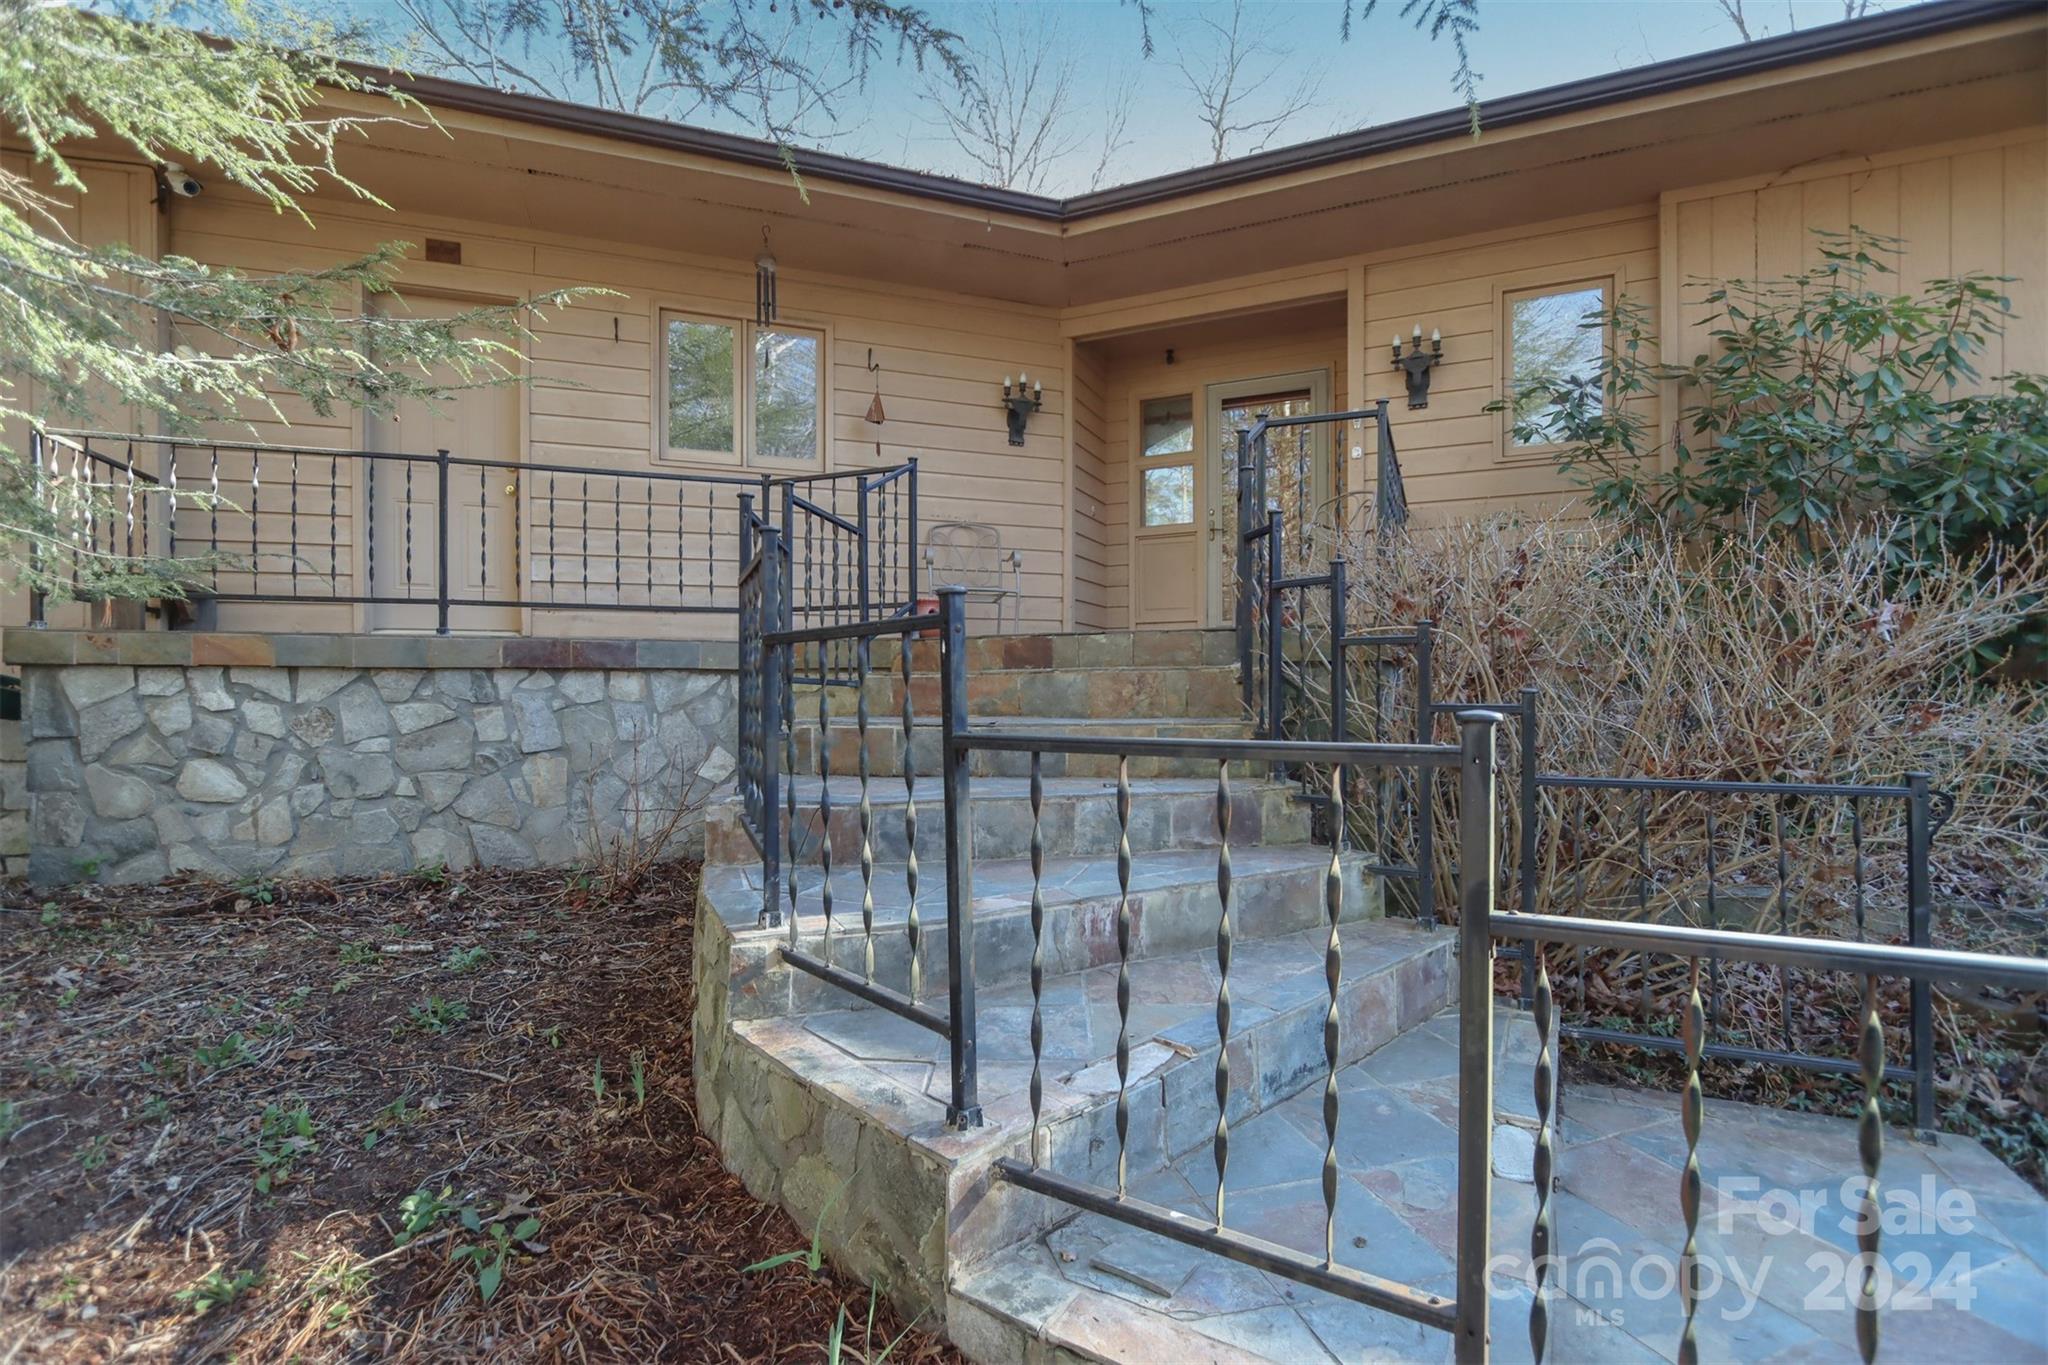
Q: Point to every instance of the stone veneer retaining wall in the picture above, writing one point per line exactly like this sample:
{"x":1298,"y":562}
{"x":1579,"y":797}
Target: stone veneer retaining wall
{"x":322,"y":755}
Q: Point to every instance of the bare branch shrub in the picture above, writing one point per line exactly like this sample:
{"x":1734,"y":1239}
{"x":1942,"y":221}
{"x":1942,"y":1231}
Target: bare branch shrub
{"x":1739,"y":661}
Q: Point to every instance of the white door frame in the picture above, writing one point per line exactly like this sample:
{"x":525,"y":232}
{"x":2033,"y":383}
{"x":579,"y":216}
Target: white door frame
{"x":1214,"y":494}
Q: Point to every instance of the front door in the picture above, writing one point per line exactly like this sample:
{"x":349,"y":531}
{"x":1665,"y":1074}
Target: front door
{"x":483,"y":504}
{"x":1297,"y":472}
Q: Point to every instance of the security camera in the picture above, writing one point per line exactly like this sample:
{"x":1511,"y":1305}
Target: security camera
{"x":179,"y":181}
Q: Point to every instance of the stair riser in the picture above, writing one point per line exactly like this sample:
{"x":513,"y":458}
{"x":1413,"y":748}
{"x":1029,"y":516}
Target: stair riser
{"x":1078,"y":935}
{"x":897,"y":1199}
{"x":1072,"y":826}
{"x":1160,"y":693}
{"x":1115,"y":649}
{"x":885,"y":755}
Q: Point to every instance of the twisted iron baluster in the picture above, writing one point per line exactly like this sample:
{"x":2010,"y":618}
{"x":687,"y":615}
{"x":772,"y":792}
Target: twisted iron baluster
{"x":1545,"y":1075}
{"x":1333,"y":972}
{"x":483,"y":530}
{"x":618,"y":541}
{"x":171,"y":510}
{"x":333,"y":524}
{"x":213,"y":521}
{"x":408,"y":528}
{"x":1225,"y":938}
{"x":551,"y":537}
{"x":647,"y":548}
{"x":1037,"y":941}
{"x":710,"y":544}
{"x":791,"y":860}
{"x":863,"y":659}
{"x":584,"y":556}
{"x":1713,"y":922}
{"x":913,"y":931}
{"x":1691,"y":1111}
{"x":1123,"y":971}
{"x":1643,"y":901}
{"x":1784,"y":918}
{"x":1870,"y":1149}
{"x":130,"y":515}
{"x":255,"y":516}
{"x":295,"y":523}
{"x":1856,"y":843}
{"x":824,"y":801}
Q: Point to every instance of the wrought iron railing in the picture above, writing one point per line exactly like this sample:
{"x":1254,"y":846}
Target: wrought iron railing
{"x":442,"y":533}
{"x":1464,"y":1314}
{"x":1693,"y":946}
{"x":865,"y":961}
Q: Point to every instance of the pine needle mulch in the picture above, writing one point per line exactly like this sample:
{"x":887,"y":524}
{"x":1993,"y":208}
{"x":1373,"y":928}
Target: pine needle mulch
{"x":220,"y":1109}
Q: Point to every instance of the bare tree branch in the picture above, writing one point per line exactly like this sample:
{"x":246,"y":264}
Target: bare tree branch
{"x":1228,"y":70}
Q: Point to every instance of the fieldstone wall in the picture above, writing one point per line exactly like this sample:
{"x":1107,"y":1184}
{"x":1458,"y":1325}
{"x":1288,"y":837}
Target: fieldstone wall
{"x":231,"y":772}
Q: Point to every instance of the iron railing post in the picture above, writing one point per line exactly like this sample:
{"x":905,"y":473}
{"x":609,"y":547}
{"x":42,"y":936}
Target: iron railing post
{"x":1243,"y":605}
{"x":1477,"y":824}
{"x":1340,"y":701}
{"x":1276,"y":655}
{"x":1531,"y":814}
{"x":1919,"y":932}
{"x":746,"y":530}
{"x":910,"y":546}
{"x":768,"y":616}
{"x":36,"y":615}
{"x":1425,"y":778}
{"x":964,"y":1108}
{"x":862,"y":594}
{"x":441,"y":541}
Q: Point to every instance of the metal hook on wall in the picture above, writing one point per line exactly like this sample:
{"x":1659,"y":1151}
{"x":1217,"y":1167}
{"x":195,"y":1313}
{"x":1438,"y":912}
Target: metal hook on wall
{"x":875,"y":413}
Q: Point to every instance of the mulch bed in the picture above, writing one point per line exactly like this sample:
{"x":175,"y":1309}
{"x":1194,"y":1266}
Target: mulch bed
{"x":445,"y":1037}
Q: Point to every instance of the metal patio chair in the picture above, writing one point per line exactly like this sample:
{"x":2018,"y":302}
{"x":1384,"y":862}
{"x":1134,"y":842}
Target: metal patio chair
{"x":970,"y":554}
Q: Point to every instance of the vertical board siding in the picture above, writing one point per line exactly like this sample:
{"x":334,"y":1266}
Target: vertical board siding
{"x":1980,"y":207}
{"x":1092,"y":550}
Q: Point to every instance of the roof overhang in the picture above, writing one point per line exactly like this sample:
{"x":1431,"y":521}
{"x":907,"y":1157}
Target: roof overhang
{"x":1924,"y":74}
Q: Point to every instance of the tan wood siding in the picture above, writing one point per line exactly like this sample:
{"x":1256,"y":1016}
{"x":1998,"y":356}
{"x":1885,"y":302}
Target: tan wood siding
{"x":1975,"y":206}
{"x":1093,"y":553}
{"x":941,"y":364}
{"x":1455,"y":459}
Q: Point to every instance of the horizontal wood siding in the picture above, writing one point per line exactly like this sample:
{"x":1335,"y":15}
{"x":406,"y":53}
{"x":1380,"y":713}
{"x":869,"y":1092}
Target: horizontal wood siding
{"x":941,"y":363}
{"x":1455,"y":459}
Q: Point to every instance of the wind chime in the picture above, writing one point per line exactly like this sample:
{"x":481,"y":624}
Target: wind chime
{"x":764,"y":283}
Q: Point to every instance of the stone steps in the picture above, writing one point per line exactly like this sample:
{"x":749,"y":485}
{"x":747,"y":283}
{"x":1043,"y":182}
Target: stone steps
{"x":1078,"y":819}
{"x":1173,"y":906}
{"x":1153,"y":691}
{"x":839,"y":1115}
{"x":1086,"y":649}
{"x":885,"y":746}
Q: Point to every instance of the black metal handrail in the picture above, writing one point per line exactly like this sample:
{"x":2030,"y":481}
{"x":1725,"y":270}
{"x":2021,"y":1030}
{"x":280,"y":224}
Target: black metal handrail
{"x":1922,"y":965}
{"x":1465,"y":1315}
{"x":270,"y":523}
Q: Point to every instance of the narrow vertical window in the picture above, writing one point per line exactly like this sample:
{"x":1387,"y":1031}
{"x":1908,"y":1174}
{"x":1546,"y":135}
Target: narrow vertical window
{"x":1166,"y":479}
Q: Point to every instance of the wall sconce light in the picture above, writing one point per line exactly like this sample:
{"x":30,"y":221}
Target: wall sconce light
{"x":1418,"y":363}
{"x":1022,"y":399}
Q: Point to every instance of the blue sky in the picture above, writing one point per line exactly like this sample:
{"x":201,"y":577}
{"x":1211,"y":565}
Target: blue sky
{"x":1386,"y":71}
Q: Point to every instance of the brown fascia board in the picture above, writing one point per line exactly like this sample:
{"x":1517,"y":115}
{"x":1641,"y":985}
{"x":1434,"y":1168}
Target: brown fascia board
{"x":1927,"y":19}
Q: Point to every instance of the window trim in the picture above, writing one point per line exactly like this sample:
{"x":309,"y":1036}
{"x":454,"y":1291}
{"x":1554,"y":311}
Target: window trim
{"x":743,"y":455}
{"x":1505,"y":296}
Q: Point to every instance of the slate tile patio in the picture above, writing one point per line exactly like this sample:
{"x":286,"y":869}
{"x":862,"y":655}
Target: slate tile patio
{"x":1964,"y":1250}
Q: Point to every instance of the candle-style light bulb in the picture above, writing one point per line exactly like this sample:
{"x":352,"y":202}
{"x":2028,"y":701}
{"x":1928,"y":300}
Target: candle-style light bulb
{"x":1397,"y":345}
{"x":1006,"y":386}
{"x":1418,"y":331}
{"x":1436,"y":338}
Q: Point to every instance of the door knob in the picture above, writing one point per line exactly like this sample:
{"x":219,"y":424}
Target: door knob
{"x":511,"y":488}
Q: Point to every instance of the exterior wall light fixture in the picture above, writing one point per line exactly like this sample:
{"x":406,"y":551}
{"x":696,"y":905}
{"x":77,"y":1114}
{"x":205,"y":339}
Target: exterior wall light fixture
{"x":1022,"y":399}
{"x":1418,"y":363}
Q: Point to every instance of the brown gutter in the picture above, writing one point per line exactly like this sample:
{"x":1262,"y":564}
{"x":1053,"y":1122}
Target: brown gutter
{"x":1451,"y":125}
